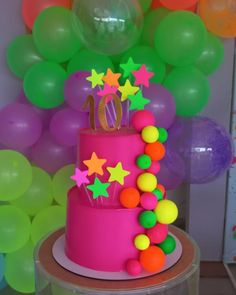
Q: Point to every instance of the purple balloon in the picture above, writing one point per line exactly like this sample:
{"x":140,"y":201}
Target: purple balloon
{"x":20,"y":126}
{"x":51,"y":156}
{"x":77,"y":89}
{"x":65,"y":124}
{"x":162,"y":105}
{"x":205,"y":147}
{"x":45,"y":115}
{"x":172,"y":171}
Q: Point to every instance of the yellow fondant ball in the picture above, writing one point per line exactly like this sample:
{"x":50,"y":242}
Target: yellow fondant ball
{"x":147,"y":182}
{"x":166,"y":212}
{"x":142,"y":242}
{"x":150,"y":134}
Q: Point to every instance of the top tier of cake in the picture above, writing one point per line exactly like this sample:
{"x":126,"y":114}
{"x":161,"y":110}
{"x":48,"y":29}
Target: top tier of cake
{"x":123,"y":146}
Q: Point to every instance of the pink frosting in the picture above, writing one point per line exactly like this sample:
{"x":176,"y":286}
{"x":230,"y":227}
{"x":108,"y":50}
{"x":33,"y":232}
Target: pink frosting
{"x":101,"y":239}
{"x":122,"y":146}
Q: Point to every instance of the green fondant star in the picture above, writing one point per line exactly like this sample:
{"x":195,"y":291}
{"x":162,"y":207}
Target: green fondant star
{"x":99,"y":188}
{"x":95,"y":78}
{"x":129,"y":67}
{"x":138,"y":102}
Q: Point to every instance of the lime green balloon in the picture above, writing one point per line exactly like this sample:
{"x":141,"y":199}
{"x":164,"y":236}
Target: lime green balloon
{"x":145,"y":5}
{"x":22,"y":54}
{"x":86,"y":60}
{"x":44,"y":85}
{"x":151,"y":22}
{"x":14,"y":228}
{"x":212,"y":55}
{"x":180,"y":38}
{"x":46,"y":221}
{"x":38,"y":195}
{"x":19,"y":273}
{"x":15,"y":175}
{"x":62,"y":183}
{"x":54,"y":36}
{"x":148,"y":56}
{"x":190,"y":88}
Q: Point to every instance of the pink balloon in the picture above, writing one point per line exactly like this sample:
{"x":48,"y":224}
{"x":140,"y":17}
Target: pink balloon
{"x":65,"y":125}
{"x":20,"y":126}
{"x":51,"y":156}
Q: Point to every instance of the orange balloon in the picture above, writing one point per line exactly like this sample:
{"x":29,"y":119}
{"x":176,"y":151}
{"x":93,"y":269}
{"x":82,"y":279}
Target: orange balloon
{"x":32,"y":8}
{"x":219,"y":16}
{"x":130,"y":197}
{"x":177,"y":5}
{"x":155,"y":150}
{"x":152,"y":259}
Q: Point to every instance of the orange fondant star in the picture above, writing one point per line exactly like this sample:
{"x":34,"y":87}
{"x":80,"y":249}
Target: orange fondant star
{"x":111,"y":78}
{"x":95,"y":165}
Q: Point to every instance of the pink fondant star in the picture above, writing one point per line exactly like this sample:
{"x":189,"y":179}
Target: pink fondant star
{"x":107,"y":90}
{"x":142,"y":76}
{"x":80,"y":177}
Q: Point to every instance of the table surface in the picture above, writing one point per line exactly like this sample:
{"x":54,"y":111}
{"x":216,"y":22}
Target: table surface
{"x":56,"y":274}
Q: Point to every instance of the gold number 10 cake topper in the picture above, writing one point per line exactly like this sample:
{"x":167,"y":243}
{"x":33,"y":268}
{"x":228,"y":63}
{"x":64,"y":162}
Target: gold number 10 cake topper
{"x":102,"y":116}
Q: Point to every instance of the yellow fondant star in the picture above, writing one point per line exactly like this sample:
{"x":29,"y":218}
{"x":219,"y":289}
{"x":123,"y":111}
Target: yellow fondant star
{"x":127,"y":90}
{"x":95,"y":78}
{"x":117,"y":173}
{"x":95,"y":165}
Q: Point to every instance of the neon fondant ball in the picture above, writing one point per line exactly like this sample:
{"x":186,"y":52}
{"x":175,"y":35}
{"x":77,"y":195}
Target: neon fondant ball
{"x":158,"y":233}
{"x":150,"y":134}
{"x":148,"y":201}
{"x":166,"y":212}
{"x":163,"y":135}
{"x":154,"y":168}
{"x":130,"y":197}
{"x":147,"y":219}
{"x":155,"y":150}
{"x":146,"y":182}
{"x":133,"y":267}
{"x":143,"y":161}
{"x":168,"y":245}
{"x":142,"y":119}
{"x":142,"y":242}
{"x":152,"y":259}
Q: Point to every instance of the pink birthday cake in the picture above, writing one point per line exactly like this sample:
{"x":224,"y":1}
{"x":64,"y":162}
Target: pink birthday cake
{"x":118,"y":214}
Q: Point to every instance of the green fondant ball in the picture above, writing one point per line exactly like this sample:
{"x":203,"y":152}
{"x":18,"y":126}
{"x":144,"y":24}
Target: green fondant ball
{"x":168,"y":245}
{"x":147,"y":219}
{"x":143,"y":162}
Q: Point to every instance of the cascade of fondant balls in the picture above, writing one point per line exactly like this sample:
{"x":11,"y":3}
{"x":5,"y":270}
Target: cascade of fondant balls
{"x":154,"y":243}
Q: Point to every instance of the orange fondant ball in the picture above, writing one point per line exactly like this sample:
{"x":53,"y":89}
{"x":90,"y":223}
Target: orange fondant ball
{"x":130,"y":197}
{"x":156,"y":151}
{"x":153,"y":259}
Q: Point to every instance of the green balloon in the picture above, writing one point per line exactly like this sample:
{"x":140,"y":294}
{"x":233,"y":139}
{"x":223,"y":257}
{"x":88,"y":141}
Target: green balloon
{"x":19,"y":273}
{"x":151,"y":22}
{"x":54,"y":36}
{"x":46,"y":221}
{"x":180,"y":38}
{"x":38,"y":195}
{"x":145,"y":5}
{"x":62,"y":183}
{"x":190,"y":88}
{"x":22,"y":54}
{"x":168,"y":245}
{"x":212,"y":55}
{"x":15,"y":175}
{"x":147,"y":55}
{"x":44,"y":85}
{"x":86,"y":60}
{"x":14,"y":228}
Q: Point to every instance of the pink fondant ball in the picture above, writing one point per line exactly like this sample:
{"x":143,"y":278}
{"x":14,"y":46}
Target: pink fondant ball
{"x":133,"y":267}
{"x":148,"y":201}
{"x":141,"y":119}
{"x":154,"y":168}
{"x":158,"y":233}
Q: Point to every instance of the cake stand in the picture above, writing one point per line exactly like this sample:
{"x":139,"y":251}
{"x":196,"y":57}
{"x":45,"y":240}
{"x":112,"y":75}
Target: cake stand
{"x":181,"y":279}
